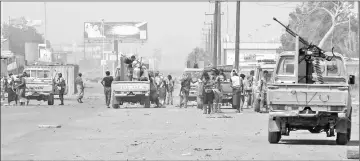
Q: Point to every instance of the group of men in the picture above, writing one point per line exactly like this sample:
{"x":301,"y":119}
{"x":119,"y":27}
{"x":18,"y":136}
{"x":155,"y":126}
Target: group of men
{"x":161,"y":88}
{"x":15,"y":87}
{"x":211,"y":89}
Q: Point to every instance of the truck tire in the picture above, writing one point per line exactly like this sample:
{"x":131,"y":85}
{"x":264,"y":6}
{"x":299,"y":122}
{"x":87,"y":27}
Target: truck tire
{"x":348,"y":134}
{"x":274,"y":137}
{"x":115,"y":106}
{"x":349,"y":126}
{"x":147,"y":102}
{"x":51,"y":99}
{"x":341,"y":138}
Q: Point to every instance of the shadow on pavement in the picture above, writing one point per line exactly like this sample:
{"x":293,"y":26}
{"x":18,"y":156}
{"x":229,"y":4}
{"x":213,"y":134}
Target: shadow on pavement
{"x":317,"y":142}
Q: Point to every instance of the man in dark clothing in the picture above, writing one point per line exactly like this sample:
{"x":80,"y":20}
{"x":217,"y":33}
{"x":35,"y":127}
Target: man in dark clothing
{"x":106,"y":82}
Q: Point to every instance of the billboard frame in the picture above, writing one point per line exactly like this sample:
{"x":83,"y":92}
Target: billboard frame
{"x":112,"y":39}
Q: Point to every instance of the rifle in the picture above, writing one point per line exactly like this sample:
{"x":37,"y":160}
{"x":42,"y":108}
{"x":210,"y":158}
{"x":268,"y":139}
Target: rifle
{"x":310,"y":50}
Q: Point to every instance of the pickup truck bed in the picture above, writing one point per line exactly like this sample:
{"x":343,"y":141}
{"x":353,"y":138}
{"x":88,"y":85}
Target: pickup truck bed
{"x":308,"y":94}
{"x":130,"y":91}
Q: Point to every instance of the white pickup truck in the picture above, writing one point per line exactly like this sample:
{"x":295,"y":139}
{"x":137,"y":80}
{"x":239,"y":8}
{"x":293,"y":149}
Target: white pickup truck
{"x":39,"y":86}
{"x":130,"y":91}
{"x":297,"y":105}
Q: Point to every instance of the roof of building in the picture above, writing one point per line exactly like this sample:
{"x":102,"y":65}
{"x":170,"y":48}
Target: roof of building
{"x":253,"y":45}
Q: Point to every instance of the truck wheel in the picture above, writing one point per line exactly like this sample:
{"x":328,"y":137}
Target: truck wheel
{"x":349,"y":126}
{"x":115,"y":106}
{"x":342,"y":138}
{"x":274,"y":137}
{"x":51,"y":99}
{"x":147,"y":102}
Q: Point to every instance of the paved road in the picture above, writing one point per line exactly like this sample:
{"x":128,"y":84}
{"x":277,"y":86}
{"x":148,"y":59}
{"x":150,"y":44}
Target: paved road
{"x":91,"y":131}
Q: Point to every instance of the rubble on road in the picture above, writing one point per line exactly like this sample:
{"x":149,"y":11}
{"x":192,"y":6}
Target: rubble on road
{"x":353,"y":153}
{"x":49,"y":126}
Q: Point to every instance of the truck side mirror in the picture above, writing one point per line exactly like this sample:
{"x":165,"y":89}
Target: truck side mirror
{"x":352,"y":79}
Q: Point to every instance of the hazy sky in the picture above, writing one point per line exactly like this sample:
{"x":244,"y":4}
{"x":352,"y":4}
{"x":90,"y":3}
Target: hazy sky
{"x":175,"y":27}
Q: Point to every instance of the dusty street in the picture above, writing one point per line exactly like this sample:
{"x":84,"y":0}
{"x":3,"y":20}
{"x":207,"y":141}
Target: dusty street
{"x":91,"y":131}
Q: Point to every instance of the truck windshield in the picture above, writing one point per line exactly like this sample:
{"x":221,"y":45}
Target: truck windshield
{"x":38,"y":73}
{"x":43,"y":74}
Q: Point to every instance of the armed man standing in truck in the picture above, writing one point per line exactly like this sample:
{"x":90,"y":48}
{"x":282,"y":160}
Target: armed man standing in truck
{"x":60,"y":84}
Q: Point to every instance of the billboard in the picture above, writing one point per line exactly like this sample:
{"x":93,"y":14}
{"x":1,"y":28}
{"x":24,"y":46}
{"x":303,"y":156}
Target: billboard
{"x":125,"y":32}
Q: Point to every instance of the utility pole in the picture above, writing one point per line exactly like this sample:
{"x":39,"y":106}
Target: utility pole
{"x":215,"y":34}
{"x":116,"y":50}
{"x":206,"y":41}
{"x":359,"y":21}
{"x":103,"y":46}
{"x":45,"y":25}
{"x":237,"y":37}
{"x":219,"y":34}
{"x":214,"y":31}
{"x":210,"y":35}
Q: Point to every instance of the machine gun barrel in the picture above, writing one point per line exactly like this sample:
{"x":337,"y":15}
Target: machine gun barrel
{"x":293,"y":33}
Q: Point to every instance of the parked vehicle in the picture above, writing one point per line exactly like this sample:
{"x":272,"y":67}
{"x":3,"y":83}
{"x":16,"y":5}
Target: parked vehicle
{"x":257,"y":82}
{"x":130,"y":91}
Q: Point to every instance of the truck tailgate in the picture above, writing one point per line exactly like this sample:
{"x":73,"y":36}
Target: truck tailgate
{"x":130,"y":86}
{"x":39,"y":87}
{"x":308,"y":94}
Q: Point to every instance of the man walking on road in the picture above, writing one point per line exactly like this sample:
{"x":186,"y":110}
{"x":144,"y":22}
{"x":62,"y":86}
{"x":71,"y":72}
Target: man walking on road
{"x":242,"y":92}
{"x":80,"y":87}
{"x":60,"y":83}
{"x":106,"y":82}
{"x":170,"y":89}
{"x":236,"y":86}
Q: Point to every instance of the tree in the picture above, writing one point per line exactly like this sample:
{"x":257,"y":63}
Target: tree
{"x":198,"y":54}
{"x":325,"y":24}
{"x":19,"y":36}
